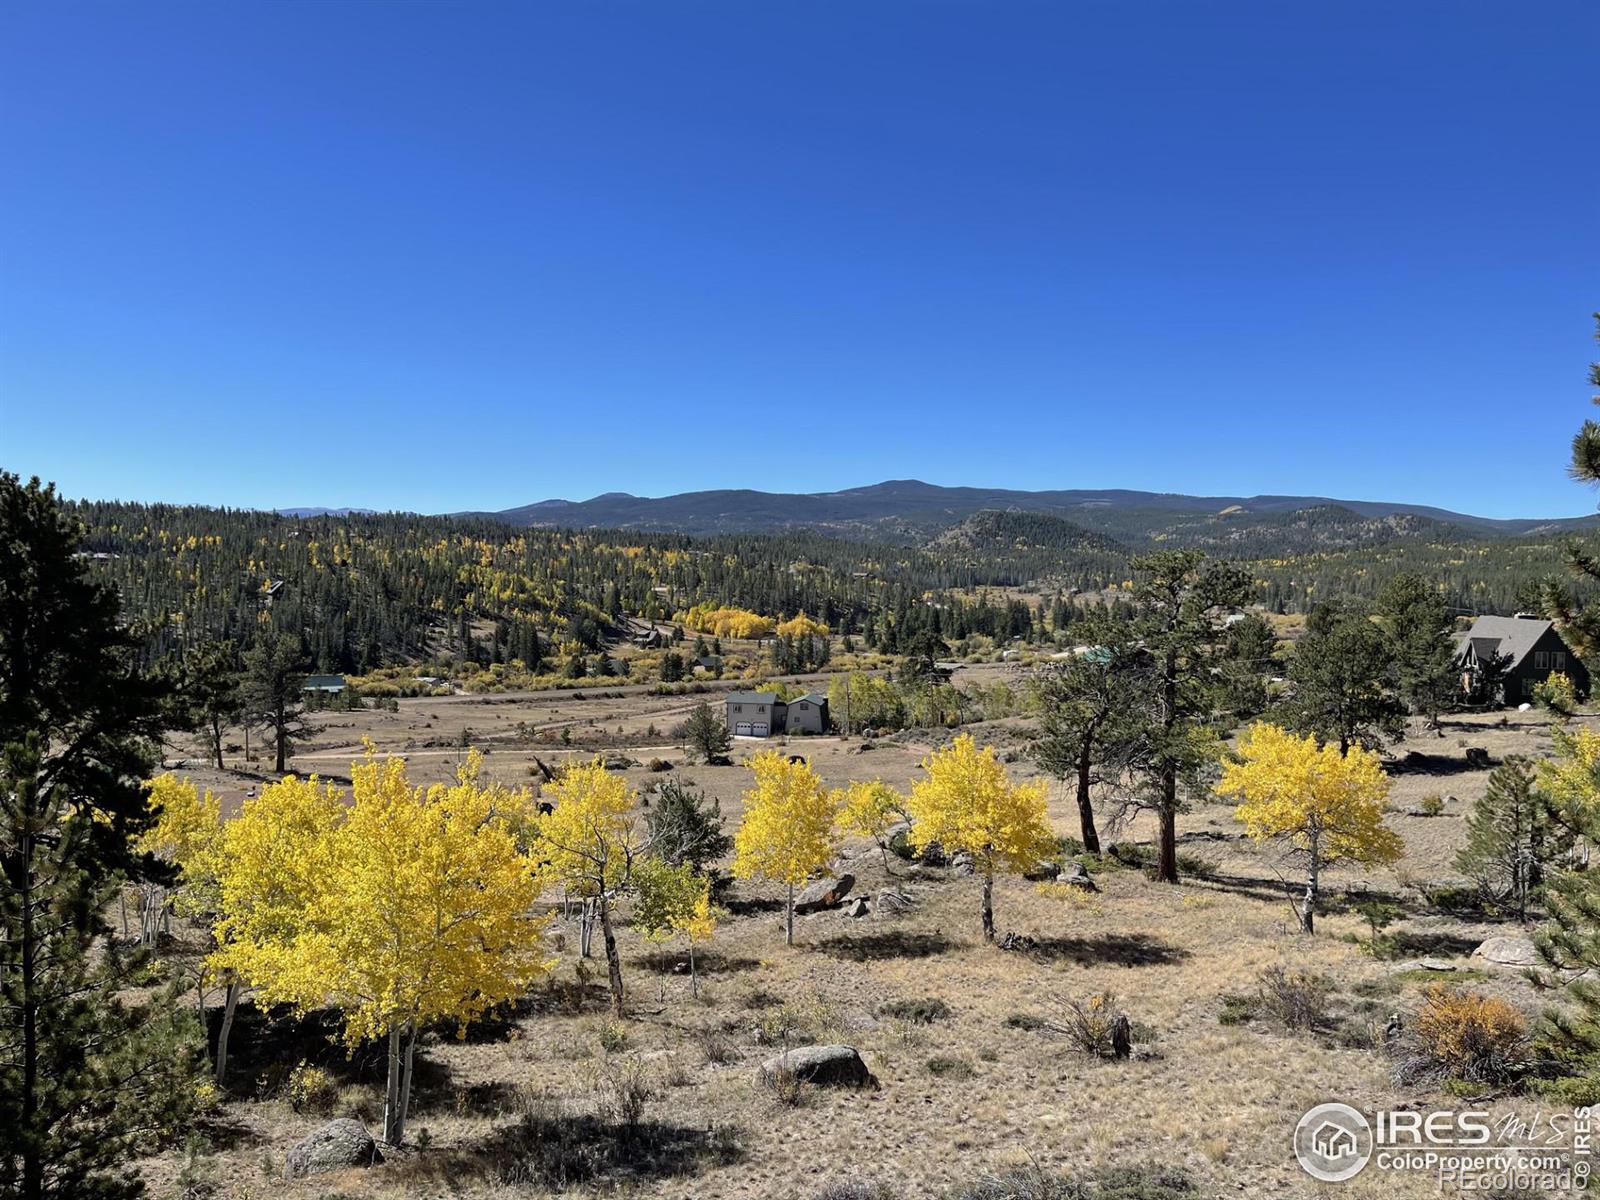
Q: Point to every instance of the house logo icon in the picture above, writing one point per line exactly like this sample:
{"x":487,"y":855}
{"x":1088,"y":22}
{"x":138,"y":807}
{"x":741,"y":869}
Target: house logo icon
{"x":1333,"y":1142}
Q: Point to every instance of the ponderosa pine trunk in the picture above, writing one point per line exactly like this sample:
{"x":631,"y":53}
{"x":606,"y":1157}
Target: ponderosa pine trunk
{"x":1090,"y":835}
{"x":279,"y":721}
{"x":1167,"y":865}
{"x":613,"y":959}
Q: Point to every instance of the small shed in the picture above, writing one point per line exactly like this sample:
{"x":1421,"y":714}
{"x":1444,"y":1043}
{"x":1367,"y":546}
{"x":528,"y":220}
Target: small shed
{"x":331,"y":684}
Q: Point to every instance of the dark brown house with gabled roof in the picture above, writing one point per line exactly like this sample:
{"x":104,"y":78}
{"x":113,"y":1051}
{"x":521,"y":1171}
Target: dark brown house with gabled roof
{"x":1505,"y":658}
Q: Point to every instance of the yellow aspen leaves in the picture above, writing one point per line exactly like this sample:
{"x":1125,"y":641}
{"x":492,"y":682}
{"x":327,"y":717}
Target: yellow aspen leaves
{"x":788,"y":827}
{"x":967,"y":804}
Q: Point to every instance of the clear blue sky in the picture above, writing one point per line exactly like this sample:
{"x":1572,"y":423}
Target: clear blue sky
{"x":441,"y":256}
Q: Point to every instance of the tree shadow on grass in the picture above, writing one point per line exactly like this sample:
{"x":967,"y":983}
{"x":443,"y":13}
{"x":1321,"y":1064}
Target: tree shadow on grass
{"x":266,"y":1044}
{"x":1412,"y":943}
{"x":706,"y":962}
{"x":752,"y":906}
{"x":1416,"y":762}
{"x":874,"y":947}
{"x":556,"y":1152}
{"x":1119,"y":949}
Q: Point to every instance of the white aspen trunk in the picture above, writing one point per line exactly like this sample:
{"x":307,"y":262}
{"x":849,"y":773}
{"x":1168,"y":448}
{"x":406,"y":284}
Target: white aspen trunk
{"x":391,"y":1098}
{"x":1308,"y":909}
{"x":694,"y":980}
{"x":788,"y":929}
{"x":405,"y":1083}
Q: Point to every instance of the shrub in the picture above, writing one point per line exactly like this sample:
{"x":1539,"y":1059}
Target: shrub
{"x":1238,"y":1008}
{"x":1295,"y":999}
{"x":1132,"y":1181}
{"x":1097,"y":1026}
{"x":1070,"y":896}
{"x":1463,"y":1035}
{"x":1379,"y":915}
{"x":716,"y":1045}
{"x":857,"y":1189}
{"x":310,"y":1089}
{"x":1557,"y":694}
{"x":1028,"y":1021}
{"x":1432,"y":805}
{"x":924,"y":1010}
{"x":1573,"y":1091}
{"x":949,"y":1065}
{"x":622,"y":1087}
{"x":613,"y":1038}
{"x":787,"y":1088}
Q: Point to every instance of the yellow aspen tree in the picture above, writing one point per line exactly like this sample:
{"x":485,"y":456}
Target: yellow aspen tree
{"x":432,"y":916}
{"x":787,"y":831}
{"x":1571,"y":778}
{"x":1327,"y":805}
{"x":965,"y":802}
{"x":273,"y":863}
{"x":870,"y":810}
{"x":187,"y":832}
{"x":674,"y":901}
{"x":420,"y":910}
{"x":590,"y":843}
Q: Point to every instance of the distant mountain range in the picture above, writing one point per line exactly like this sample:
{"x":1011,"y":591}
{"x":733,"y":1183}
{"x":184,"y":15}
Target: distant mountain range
{"x":910,"y":510}
{"x":323,"y":512}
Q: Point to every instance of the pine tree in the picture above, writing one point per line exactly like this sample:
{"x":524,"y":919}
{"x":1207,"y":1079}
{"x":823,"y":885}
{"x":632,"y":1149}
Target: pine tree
{"x":684,"y":827}
{"x":1580,"y":623}
{"x":1339,"y":676}
{"x":86,"y":1079}
{"x":1089,"y":730}
{"x":211,"y":692}
{"x":274,"y":670}
{"x":1512,"y":837}
{"x":1413,"y":615}
{"x":1181,"y":601}
{"x":706,"y":734}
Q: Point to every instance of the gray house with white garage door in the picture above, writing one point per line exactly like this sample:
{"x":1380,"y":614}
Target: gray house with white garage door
{"x":762,"y":714}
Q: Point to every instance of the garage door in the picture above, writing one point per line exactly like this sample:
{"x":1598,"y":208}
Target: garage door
{"x":758,"y":730}
{"x":742,"y":729}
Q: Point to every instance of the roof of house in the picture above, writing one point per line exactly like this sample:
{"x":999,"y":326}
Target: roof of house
{"x":752,"y":697}
{"x":1512,"y":636}
{"x":323,"y":681}
{"x":815,"y":697}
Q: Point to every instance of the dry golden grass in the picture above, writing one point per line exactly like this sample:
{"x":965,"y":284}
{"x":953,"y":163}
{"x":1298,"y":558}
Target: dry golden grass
{"x":1219,"y":1100}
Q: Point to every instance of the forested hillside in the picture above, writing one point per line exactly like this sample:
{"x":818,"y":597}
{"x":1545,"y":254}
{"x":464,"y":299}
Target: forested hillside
{"x":368,"y":590}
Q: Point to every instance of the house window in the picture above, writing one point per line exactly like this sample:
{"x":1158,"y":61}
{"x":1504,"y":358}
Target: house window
{"x":1560,"y":659}
{"x":738,"y":708}
{"x":1541,"y":660}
